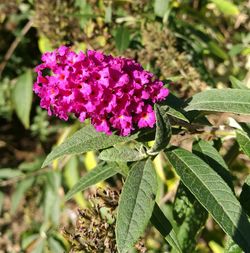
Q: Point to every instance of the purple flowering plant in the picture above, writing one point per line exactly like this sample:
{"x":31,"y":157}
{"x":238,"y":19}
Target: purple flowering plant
{"x":133,"y":119}
{"x":115,"y":93}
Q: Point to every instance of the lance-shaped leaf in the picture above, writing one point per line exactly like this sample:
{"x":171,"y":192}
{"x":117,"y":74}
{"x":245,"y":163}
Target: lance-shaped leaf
{"x":226,"y":7}
{"x":71,"y":177}
{"x":84,"y":140}
{"x":122,"y":153}
{"x":213,"y":193}
{"x":136,"y":205}
{"x":19,"y":193}
{"x":55,"y":245}
{"x":122,"y":38}
{"x":174,"y":107}
{"x":225,"y":100}
{"x":99,"y":173}
{"x":237,"y":84}
{"x":163,"y":225}
{"x":243,"y":138}
{"x":9,"y":173}
{"x":161,"y":7}
{"x":211,"y":156}
{"x":232,"y":247}
{"x":163,"y":130}
{"x":22,"y":97}
{"x":190,"y":216}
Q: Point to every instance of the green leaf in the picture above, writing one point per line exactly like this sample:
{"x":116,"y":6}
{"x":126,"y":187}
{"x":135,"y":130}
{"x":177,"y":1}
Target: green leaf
{"x":135,"y":205}
{"x":213,"y":193}
{"x":100,"y":173}
{"x":21,"y":188}
{"x":163,"y":225}
{"x":85,"y":10}
{"x":55,"y":246}
{"x":174,"y":106}
{"x":122,"y":153}
{"x":235,"y":50}
{"x":122,"y":38}
{"x":49,"y":198}
{"x":9,"y":173}
{"x":85,"y":139}
{"x":52,"y":199}
{"x":245,"y":195}
{"x":163,"y":130}
{"x":211,"y":156}
{"x":243,"y":138}
{"x":53,"y":178}
{"x":190,"y":216}
{"x":225,"y":100}
{"x":28,"y":239}
{"x":197,"y":117}
{"x":226,"y":7}
{"x":39,"y":248}
{"x":22,"y":97}
{"x":108,"y":14}
{"x":215,"y":49}
{"x":71,"y":176}
{"x":237,"y":84}
{"x":31,"y":166}
{"x":231,"y":247}
{"x":161,"y":7}
{"x":123,"y":168}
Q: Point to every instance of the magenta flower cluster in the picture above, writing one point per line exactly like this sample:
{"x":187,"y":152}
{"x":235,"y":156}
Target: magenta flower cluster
{"x":116,"y":93}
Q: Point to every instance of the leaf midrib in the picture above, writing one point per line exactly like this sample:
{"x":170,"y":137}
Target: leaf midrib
{"x":141,"y":179}
{"x":74,"y":144}
{"x":235,"y":225}
{"x":131,"y":218}
{"x":62,"y":148}
{"x":66,"y":149}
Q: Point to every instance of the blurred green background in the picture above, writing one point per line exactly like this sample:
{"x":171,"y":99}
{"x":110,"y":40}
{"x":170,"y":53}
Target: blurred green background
{"x":197,"y":44}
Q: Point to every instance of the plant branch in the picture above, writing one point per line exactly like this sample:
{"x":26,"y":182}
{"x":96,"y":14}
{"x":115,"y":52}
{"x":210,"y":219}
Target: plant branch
{"x":14,"y":45}
{"x":22,"y":177}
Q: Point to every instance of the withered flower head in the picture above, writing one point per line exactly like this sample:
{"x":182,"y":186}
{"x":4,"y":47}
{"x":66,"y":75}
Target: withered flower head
{"x":95,"y":227}
{"x":94,"y":231}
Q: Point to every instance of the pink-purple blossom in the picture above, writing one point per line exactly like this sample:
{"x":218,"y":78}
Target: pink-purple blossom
{"x":115,"y":93}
